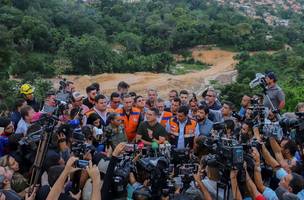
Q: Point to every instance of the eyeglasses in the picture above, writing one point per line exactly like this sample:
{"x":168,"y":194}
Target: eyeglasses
{"x":116,"y":102}
{"x":209,"y":95}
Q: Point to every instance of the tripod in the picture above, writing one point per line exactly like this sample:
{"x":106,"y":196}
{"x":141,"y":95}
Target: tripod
{"x":42,"y":148}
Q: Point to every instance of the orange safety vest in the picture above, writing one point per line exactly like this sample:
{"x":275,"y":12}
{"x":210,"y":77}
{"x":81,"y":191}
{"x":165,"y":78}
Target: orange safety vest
{"x":189,"y":131}
{"x":130,"y":122}
{"x":165,"y":118}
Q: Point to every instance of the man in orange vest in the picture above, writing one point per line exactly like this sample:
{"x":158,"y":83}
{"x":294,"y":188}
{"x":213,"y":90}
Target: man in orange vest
{"x":130,"y":117}
{"x":182,"y":129}
{"x":164,"y":116}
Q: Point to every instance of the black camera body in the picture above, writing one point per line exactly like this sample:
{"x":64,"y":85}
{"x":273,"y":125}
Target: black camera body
{"x":295,"y":123}
{"x":227,"y":153}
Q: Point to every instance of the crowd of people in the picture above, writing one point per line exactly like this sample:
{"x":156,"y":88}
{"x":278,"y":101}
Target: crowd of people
{"x":106,"y":125}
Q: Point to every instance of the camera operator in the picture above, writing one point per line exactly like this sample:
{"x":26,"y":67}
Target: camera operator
{"x":182,"y":129}
{"x":150,"y":130}
{"x":274,"y":92}
{"x":6,"y":129}
{"x":246,"y":133}
{"x":229,"y":132}
{"x":245,"y":104}
{"x":107,"y":190}
{"x":272,"y":127}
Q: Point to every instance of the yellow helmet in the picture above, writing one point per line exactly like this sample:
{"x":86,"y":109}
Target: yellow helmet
{"x":26,"y":89}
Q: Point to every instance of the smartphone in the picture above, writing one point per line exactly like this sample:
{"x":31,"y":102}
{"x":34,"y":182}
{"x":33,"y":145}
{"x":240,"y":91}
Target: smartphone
{"x":81,"y":164}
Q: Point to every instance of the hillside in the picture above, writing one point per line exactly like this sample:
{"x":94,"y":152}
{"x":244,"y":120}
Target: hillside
{"x":47,"y":38}
{"x":221,"y":69}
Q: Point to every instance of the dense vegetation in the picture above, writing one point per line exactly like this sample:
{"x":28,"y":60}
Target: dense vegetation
{"x":288,"y":66}
{"x":54,"y":36}
{"x":46,"y":38}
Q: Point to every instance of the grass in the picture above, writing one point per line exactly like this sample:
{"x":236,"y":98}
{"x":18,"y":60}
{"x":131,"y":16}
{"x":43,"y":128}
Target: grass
{"x":184,"y":68}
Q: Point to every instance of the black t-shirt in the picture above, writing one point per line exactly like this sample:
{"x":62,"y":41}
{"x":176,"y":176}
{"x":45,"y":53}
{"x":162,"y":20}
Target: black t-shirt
{"x":149,"y":132}
{"x":88,"y":103}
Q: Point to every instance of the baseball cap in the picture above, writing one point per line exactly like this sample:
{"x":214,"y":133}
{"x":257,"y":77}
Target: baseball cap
{"x":77,"y":95}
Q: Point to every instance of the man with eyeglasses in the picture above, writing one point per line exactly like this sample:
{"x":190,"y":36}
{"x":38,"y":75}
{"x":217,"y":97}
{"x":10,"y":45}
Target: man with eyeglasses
{"x":91,"y":94}
{"x":140,"y":103}
{"x":164,"y":116}
{"x":211,"y":100}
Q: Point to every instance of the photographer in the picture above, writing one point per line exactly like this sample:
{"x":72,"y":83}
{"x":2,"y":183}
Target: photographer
{"x":245,"y":104}
{"x":151,"y":131}
{"x":58,"y":187}
{"x":107,"y":190}
{"x":275,"y":93}
{"x":6,"y":129}
{"x":246,"y":133}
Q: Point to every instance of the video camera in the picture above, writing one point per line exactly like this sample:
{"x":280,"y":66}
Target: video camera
{"x":228,"y":153}
{"x":295,"y":123}
{"x":260,"y":80}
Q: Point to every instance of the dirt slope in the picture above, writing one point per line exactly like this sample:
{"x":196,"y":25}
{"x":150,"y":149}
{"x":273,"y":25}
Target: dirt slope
{"x":222,"y":69}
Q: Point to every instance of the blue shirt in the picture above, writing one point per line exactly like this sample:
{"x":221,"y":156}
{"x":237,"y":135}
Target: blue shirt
{"x":242,"y":111}
{"x":15,"y":118}
{"x":3,"y":144}
{"x":205,"y":127}
{"x":269,"y":194}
